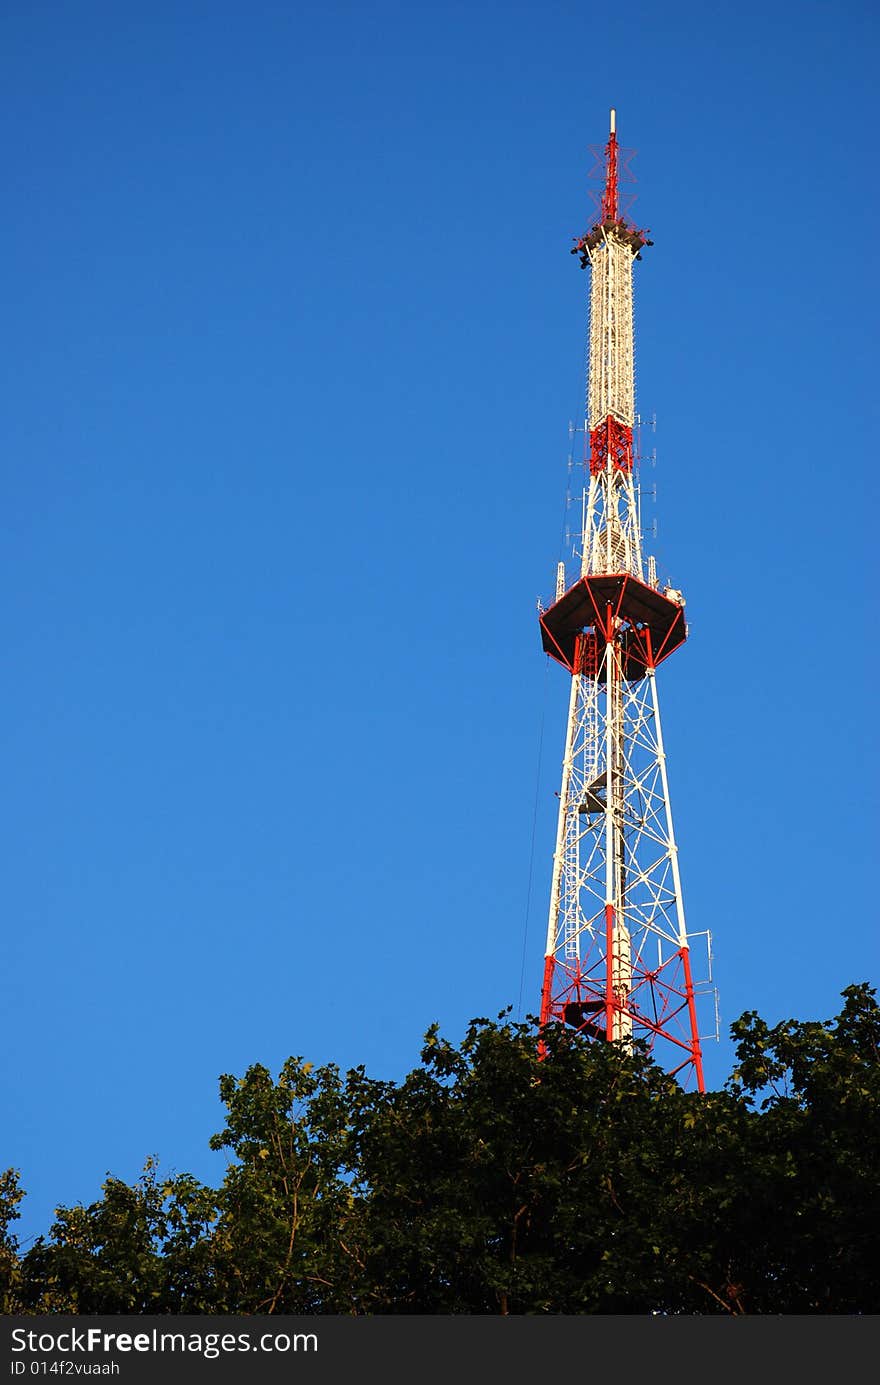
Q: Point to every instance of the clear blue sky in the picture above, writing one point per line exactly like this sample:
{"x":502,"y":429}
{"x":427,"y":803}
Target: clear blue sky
{"x":291,"y":340}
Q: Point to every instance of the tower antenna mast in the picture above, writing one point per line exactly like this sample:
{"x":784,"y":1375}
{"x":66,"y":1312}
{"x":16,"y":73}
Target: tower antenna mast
{"x":619,"y":959}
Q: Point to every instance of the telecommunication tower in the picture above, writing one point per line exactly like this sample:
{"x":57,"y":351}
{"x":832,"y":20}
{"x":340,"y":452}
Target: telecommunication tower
{"x":619,"y":961}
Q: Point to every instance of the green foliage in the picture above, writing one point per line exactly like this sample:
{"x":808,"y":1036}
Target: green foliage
{"x":141,"y":1249}
{"x":488,"y":1172}
{"x":492,"y":1180}
{"x":286,"y":1200}
{"x":10,"y":1196}
{"x":817,"y":1143}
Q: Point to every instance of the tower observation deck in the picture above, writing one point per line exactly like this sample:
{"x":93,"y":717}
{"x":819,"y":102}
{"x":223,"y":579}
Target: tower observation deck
{"x":619,"y":961}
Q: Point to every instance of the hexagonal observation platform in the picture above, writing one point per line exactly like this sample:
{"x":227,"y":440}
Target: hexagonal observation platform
{"x":646,"y":624}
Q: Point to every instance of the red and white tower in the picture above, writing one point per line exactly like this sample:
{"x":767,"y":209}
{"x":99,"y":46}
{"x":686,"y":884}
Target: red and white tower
{"x":619,"y":962}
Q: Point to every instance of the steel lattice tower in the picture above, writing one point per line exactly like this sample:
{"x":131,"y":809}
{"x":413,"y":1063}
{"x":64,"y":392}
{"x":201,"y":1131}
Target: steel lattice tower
{"x":618,"y":962}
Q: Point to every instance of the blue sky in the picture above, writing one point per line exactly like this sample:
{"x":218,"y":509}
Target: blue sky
{"x":291,"y":340}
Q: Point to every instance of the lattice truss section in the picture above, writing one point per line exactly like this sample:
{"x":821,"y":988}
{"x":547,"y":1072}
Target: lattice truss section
{"x":612,"y":540}
{"x":612,"y":384}
{"x":624,"y":852}
{"x":644,"y":892}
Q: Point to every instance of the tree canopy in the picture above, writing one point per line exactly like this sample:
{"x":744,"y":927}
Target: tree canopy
{"x":491,"y":1180}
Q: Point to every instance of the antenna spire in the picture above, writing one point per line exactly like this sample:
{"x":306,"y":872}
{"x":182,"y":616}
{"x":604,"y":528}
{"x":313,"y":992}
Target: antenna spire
{"x":609,"y":197}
